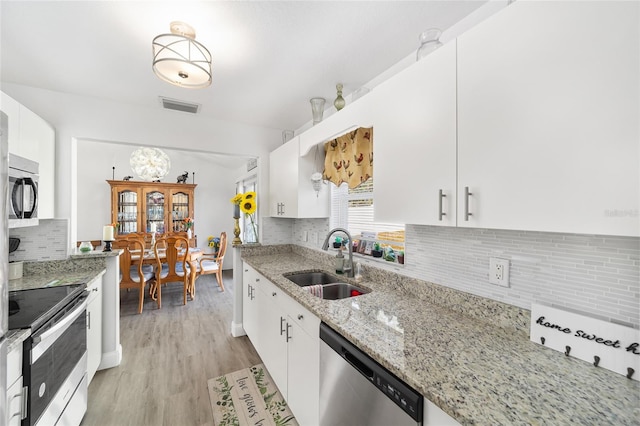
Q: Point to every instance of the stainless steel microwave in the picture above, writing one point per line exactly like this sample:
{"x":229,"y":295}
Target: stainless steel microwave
{"x":23,"y":192}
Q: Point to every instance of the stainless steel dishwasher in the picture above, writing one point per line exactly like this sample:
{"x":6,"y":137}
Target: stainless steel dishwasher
{"x":356,"y":390}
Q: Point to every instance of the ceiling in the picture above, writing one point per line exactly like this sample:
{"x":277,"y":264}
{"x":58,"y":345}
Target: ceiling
{"x":269,"y":57}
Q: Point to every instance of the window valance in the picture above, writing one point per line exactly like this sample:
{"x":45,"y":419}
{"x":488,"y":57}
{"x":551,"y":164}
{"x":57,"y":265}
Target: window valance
{"x":349,"y":158}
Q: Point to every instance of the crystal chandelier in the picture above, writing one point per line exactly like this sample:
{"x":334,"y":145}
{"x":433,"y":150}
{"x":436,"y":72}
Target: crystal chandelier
{"x":180,"y":60}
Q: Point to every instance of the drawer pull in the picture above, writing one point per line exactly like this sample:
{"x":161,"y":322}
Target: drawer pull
{"x":300,"y":316}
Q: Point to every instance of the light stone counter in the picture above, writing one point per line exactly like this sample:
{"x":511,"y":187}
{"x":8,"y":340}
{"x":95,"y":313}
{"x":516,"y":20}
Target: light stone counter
{"x":468,"y":355}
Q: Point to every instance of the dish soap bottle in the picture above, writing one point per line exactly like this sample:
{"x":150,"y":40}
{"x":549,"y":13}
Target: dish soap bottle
{"x":339,"y":262}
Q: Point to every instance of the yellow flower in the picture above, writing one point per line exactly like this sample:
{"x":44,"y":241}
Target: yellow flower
{"x":236,"y":199}
{"x":249,"y":195}
{"x":248,"y":206}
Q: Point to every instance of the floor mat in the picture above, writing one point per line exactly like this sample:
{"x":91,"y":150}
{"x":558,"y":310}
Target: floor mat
{"x":248,"y":397}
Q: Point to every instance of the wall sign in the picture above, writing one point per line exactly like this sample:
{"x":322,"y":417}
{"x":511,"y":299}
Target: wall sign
{"x":607,"y":345}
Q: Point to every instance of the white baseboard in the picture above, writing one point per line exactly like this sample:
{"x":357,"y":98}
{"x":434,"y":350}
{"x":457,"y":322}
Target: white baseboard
{"x":111,"y":359}
{"x":237,"y":330}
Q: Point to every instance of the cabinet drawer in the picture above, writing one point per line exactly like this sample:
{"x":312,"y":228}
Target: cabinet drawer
{"x":14,"y":365}
{"x":14,"y":403}
{"x":304,"y":318}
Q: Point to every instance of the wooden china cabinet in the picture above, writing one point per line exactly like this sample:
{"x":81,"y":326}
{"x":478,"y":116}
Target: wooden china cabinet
{"x":139,"y":206}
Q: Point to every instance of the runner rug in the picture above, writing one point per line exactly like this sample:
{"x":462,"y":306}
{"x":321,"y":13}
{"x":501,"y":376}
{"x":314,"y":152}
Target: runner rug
{"x":248,"y":397}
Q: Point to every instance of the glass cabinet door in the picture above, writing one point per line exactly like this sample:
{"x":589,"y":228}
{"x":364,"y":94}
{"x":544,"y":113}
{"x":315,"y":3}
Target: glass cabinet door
{"x":179,"y":211}
{"x":127,"y":212}
{"x":155,"y":212}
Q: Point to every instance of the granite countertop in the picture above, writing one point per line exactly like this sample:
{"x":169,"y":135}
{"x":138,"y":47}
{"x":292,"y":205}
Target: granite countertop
{"x":476,"y":371}
{"x":16,"y":337}
{"x":53,"y":279}
{"x":77,"y":254}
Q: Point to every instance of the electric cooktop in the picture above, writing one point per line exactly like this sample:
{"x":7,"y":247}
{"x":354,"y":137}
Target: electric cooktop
{"x":32,"y":308}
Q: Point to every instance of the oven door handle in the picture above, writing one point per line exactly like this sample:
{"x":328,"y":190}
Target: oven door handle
{"x":43,"y":341}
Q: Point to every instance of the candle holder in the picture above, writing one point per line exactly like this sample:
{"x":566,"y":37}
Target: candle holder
{"x":236,"y":231}
{"x":107,"y":245}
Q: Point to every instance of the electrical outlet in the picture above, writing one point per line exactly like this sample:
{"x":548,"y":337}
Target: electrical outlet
{"x":499,"y":271}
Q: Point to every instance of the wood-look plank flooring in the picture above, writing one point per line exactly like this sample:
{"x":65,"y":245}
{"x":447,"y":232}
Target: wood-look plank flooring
{"x":168,"y":355}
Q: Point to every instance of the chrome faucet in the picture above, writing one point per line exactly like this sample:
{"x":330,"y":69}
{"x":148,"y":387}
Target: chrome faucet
{"x":348,"y":271}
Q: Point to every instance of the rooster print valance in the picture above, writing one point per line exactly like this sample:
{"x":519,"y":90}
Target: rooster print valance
{"x":349,"y":158}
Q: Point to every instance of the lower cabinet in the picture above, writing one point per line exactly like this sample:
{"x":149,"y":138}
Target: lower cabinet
{"x":94,"y":327}
{"x":286,"y":336}
{"x":15,"y":396}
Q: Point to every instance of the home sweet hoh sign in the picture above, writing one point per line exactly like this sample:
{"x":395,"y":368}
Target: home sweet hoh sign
{"x":607,"y":345}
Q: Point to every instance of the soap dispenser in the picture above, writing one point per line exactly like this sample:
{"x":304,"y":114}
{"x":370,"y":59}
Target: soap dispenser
{"x":339,"y":262}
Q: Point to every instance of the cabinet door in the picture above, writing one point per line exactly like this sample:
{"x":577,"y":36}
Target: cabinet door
{"x":303,"y":374}
{"x":181,"y":208}
{"x":94,"y":328}
{"x":14,"y":403}
{"x":155,"y":210}
{"x":273,"y":329}
{"x":250,"y":305}
{"x":126,"y":209}
{"x":283,"y":180}
{"x":414,"y":142}
{"x":548,"y":118}
{"x":11,"y":107}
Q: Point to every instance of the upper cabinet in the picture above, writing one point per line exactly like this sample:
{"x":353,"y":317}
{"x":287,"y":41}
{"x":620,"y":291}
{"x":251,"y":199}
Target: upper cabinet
{"x":33,"y":138}
{"x":414,"y":140}
{"x":548,"y":132}
{"x":291,"y":193}
{"x":143,"y":206}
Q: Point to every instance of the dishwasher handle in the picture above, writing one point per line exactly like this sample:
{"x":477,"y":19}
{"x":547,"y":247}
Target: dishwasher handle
{"x":357,"y":364}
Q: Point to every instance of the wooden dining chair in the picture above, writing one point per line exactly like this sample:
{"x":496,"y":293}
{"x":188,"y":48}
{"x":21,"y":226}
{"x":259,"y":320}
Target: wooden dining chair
{"x":212,"y":263}
{"x":133,"y":273}
{"x":171,"y":254}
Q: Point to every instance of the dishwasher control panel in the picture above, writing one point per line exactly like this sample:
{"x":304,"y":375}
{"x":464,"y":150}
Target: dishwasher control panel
{"x":405,"y":397}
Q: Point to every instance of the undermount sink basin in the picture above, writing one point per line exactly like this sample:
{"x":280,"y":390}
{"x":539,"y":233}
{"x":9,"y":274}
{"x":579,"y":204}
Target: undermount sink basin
{"x":332,"y":288}
{"x":341,"y":291}
{"x":304,"y":279}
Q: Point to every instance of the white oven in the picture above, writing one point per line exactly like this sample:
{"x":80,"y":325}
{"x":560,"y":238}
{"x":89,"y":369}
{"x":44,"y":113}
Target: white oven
{"x":23,"y":192}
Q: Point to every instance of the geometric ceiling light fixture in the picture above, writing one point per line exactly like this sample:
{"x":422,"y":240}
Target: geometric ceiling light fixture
{"x":179,"y":59}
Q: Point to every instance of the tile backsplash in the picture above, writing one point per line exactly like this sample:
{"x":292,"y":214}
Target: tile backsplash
{"x":593,"y":274}
{"x":47,"y":241}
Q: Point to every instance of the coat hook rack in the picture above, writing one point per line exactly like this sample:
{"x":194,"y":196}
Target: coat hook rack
{"x":542,"y":339}
{"x":596,"y":360}
{"x":630,"y":372}
{"x":567,"y":349}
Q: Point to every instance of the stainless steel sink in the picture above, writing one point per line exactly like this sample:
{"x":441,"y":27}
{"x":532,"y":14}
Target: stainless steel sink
{"x":341,"y":291}
{"x":304,"y":279}
{"x":332,"y":287}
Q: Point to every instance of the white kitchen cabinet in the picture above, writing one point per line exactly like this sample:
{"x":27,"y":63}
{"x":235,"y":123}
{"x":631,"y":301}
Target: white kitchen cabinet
{"x":287,"y":340}
{"x":15,"y":394}
{"x":548,"y":129}
{"x":33,"y":138}
{"x":250,"y":318}
{"x":94,"y":327}
{"x":414,"y":139}
{"x":291,"y":194}
{"x":303,"y":355}
{"x":272,"y":329}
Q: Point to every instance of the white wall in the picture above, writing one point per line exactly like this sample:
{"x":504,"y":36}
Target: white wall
{"x":78,"y":119}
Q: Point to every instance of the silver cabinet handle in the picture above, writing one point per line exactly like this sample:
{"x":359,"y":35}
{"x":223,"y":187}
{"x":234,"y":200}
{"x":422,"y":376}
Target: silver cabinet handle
{"x":288,"y":337}
{"x":248,"y":291}
{"x":282,"y":208}
{"x":440,"y":212}
{"x":274,"y":294}
{"x":89,"y":320}
{"x":282,"y":320}
{"x":300,"y":316}
{"x":467,"y":194}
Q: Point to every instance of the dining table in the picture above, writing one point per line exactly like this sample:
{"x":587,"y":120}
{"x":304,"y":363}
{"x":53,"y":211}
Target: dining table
{"x":149,"y":258}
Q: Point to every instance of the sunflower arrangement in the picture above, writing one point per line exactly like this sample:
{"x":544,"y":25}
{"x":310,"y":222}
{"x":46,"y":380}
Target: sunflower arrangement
{"x":247,"y":204}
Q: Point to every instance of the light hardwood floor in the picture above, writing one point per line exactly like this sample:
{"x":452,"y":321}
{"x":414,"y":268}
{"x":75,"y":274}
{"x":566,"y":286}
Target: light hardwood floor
{"x":167,"y":357}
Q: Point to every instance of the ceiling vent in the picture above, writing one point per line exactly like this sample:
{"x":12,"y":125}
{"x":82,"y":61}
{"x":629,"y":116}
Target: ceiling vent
{"x":179,"y":105}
